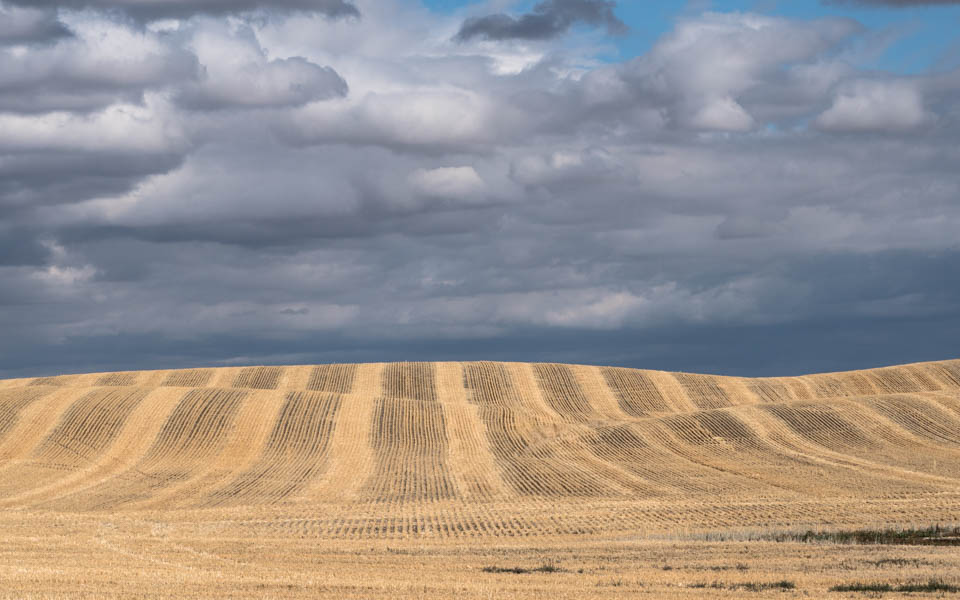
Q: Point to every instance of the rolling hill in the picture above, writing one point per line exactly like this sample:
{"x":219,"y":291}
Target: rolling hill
{"x":678,"y":448}
{"x":144,"y":464}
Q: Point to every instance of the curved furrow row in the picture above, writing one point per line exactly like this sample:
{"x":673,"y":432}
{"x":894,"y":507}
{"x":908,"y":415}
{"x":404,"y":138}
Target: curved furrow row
{"x":705,"y":391}
{"x":30,"y":423}
{"x":657,"y":470}
{"x":530,"y":459}
{"x":336,"y":379}
{"x":89,"y":426}
{"x":412,"y":380}
{"x":771,"y":390}
{"x":134,"y":435}
{"x":562,"y":392}
{"x":242,"y":444}
{"x":746,"y":445}
{"x":409,"y":437}
{"x":899,"y":380}
{"x":476,"y":475}
{"x":928,"y":443}
{"x":117,"y":379}
{"x":909,"y":440}
{"x":188,"y":378}
{"x":13,"y":401}
{"x":946,"y":401}
{"x":836,"y":385}
{"x":84,"y":431}
{"x":56,"y":380}
{"x":295,"y":454}
{"x":352,"y":457}
{"x":194,"y":433}
{"x":947,"y":373}
{"x":874,"y":453}
{"x":693,"y":457}
{"x":822,"y":424}
{"x":637,"y":393}
{"x":258,"y":378}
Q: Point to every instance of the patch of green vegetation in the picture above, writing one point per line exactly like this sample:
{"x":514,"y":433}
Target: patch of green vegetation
{"x":930,"y":536}
{"x":750,"y":586}
{"x":933,"y":585}
{"x":544,"y":568}
{"x":897,"y":562}
{"x":738,"y":567}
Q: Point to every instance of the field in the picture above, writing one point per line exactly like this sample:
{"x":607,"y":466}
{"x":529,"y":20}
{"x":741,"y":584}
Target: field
{"x":480,"y":480}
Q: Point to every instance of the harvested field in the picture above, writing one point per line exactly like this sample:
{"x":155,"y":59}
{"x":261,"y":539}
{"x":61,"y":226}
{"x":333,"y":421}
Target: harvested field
{"x":479,"y":480}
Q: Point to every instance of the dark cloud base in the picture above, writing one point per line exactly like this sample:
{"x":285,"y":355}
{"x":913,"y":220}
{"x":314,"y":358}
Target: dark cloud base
{"x":746,"y":351}
{"x":149,"y":10}
{"x":30,"y":27}
{"x":549,"y":19}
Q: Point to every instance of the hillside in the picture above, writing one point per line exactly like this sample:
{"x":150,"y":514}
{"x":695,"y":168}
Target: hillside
{"x":480,"y":449}
{"x":471,"y":480}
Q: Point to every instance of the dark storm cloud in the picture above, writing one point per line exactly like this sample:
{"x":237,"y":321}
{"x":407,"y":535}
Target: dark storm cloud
{"x":149,"y":10}
{"x":81,"y":88}
{"x":29,"y":26}
{"x":37,"y":179}
{"x":549,"y":19}
{"x":19,"y":247}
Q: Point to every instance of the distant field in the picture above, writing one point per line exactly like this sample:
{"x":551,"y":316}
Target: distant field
{"x":478,"y":480}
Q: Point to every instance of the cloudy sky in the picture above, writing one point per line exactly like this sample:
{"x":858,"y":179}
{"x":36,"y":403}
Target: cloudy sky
{"x":740,"y":187}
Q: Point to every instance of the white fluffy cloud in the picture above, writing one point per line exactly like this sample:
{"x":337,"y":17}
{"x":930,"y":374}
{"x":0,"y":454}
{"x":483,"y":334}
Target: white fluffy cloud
{"x":101,"y":64}
{"x":458,"y":183}
{"x":875,"y":105}
{"x":702,"y":70}
{"x":119,"y":128}
{"x":237,"y":73}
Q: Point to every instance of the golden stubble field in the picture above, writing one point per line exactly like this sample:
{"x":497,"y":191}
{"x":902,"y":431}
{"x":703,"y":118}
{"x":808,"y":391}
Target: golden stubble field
{"x":474,"y":480}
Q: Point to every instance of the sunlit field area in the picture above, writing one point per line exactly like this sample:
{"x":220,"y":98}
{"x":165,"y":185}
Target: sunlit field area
{"x":479,"y":480}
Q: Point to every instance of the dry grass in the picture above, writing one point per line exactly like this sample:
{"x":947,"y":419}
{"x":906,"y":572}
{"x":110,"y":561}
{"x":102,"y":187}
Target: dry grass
{"x":478,"y":480}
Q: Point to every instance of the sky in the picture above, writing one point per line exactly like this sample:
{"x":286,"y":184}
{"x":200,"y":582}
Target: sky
{"x":736,"y":187}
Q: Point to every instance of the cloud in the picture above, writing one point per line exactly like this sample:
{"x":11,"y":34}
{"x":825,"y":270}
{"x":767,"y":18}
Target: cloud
{"x":34,"y":179}
{"x":872,"y":105}
{"x":124,"y":128}
{"x":237,"y":73}
{"x":456,"y":183}
{"x":549,"y":19}
{"x":431,"y":120}
{"x":151,"y":10}
{"x":210,"y":192}
{"x":21,"y":248}
{"x":65,"y":159}
{"x":704,"y":72}
{"x":29,"y":26}
{"x":104,"y":63}
{"x":289,"y":82}
{"x":721,"y":114}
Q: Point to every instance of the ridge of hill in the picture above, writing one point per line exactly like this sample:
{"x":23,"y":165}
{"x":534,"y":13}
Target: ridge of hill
{"x":484,"y":449}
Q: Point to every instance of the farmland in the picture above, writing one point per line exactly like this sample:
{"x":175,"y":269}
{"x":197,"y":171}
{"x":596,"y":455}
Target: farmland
{"x":477,"y":480}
